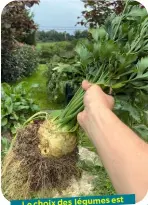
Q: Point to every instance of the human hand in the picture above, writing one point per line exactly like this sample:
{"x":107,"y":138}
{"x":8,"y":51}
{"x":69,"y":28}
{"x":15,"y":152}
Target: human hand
{"x":95,"y":100}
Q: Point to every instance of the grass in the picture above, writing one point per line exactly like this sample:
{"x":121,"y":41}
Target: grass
{"x":39,"y":94}
{"x":102,"y":184}
{"x":50,"y":44}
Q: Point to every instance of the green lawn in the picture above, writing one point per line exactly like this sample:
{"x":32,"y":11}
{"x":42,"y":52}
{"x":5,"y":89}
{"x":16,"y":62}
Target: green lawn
{"x":40,"y":94}
{"x":60,"y":43}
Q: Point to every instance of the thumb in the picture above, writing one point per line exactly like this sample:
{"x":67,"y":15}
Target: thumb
{"x":81,"y":118}
{"x":86,"y":85}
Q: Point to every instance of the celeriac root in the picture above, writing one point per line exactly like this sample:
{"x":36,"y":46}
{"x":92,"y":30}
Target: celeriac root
{"x":28,"y":169}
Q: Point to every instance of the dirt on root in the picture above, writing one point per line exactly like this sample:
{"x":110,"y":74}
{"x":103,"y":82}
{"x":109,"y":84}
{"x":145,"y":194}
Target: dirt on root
{"x":39,"y":172}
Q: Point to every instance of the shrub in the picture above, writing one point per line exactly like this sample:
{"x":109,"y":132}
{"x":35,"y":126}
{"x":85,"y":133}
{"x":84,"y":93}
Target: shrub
{"x":5,"y":146}
{"x":63,"y":81}
{"x":46,"y":52}
{"x":31,"y":39}
{"x":11,"y":67}
{"x":18,"y":63}
{"x":17,"y":23}
{"x":61,"y":49}
{"x":29,"y":57}
{"x":16,"y":106}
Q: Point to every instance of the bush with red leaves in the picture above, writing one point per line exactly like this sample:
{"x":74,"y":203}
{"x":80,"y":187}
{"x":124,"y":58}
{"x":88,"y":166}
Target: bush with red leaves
{"x":97,"y":11}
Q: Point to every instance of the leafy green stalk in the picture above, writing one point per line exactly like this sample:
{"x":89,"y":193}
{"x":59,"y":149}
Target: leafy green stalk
{"x":117,"y":62}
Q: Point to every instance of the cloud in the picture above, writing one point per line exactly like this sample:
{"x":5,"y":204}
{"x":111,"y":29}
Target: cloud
{"x":58,"y":14}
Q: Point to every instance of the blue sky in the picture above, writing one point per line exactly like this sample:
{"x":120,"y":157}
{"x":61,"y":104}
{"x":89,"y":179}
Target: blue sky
{"x":60,"y":15}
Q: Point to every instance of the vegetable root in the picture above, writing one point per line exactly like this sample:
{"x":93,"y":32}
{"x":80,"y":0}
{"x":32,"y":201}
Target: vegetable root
{"x":31,"y":170}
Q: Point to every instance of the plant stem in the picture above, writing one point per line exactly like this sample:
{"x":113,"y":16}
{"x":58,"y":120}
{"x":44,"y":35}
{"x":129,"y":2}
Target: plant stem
{"x":121,"y":19}
{"x":70,"y":117}
{"x":35,"y":115}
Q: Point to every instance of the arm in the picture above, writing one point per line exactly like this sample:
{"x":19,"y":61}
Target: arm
{"x":123,"y":153}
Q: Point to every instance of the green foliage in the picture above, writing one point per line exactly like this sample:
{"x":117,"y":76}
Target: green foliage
{"x":5,"y":144}
{"x":29,"y":57}
{"x":30,"y":39}
{"x":40,"y":96}
{"x":134,"y":113}
{"x":16,"y":106}
{"x":47,"y":51}
{"x":19,"y":63}
{"x":80,"y":34}
{"x":116,"y":59}
{"x":60,"y":75}
{"x":55,"y":36}
{"x":102,"y":183}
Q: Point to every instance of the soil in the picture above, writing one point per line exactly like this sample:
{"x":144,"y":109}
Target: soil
{"x":43,"y":172}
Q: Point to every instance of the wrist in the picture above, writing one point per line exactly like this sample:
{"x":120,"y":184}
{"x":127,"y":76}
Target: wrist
{"x":101,"y":120}
{"x":101,"y":115}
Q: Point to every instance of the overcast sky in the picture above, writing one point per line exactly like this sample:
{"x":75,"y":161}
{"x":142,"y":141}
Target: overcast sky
{"x":60,"y":15}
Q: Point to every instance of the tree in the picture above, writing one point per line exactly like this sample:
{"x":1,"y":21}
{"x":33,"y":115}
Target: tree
{"x":16,"y":23}
{"x":16,"y":27}
{"x":96,"y":12}
{"x":53,"y":36}
{"x":81,"y":34}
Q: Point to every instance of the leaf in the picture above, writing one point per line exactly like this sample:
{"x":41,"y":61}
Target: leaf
{"x":13,"y":130}
{"x":119,"y":85}
{"x":5,"y":145}
{"x":131,"y":32}
{"x":142,"y":65}
{"x":108,"y":50}
{"x":95,"y":34}
{"x":61,"y":67}
{"x":97,"y":48}
{"x":142,"y":130}
{"x":84,"y":55}
{"x":137,"y":12}
{"x":6,"y":87}
{"x":4,"y":141}
{"x":99,"y":33}
{"x":116,"y":21}
{"x":17,"y":103}
{"x":126,"y":60}
{"x":23,"y":107}
{"x":20,"y":87}
{"x":35,"y":85}
{"x":142,"y":76}
{"x":4,"y":122}
{"x":123,"y":105}
{"x":14,"y":116}
{"x":35,"y":108}
{"x":133,"y":3}
{"x":143,"y":87}
{"x":8,"y":104}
